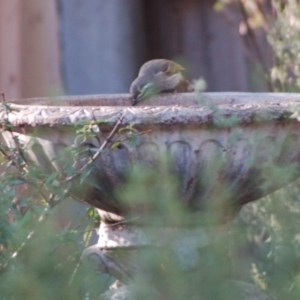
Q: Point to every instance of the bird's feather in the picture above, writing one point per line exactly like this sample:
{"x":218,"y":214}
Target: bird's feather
{"x":155,"y":66}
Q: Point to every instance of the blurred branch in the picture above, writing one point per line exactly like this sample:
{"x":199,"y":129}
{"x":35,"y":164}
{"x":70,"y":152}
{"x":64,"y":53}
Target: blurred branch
{"x":255,"y":45}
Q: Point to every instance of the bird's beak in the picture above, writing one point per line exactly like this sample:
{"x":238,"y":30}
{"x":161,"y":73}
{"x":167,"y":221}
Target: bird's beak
{"x":137,"y":99}
{"x":134,"y":101}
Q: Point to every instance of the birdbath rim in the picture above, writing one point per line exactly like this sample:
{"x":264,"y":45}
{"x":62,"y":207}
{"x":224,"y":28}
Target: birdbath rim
{"x":166,"y":109}
{"x":180,"y":99}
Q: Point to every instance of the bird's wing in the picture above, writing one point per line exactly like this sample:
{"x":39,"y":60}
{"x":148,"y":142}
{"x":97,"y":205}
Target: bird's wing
{"x":166,"y":83}
{"x":174,"y":83}
{"x":155,"y":66}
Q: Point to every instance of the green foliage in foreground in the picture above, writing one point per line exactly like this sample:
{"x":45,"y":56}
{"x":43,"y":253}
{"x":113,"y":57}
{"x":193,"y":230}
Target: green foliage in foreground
{"x":261,"y":246}
{"x":39,"y":260}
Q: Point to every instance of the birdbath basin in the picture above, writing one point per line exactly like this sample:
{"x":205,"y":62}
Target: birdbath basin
{"x":215,"y":142}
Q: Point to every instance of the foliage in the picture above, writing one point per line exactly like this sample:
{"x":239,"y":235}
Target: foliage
{"x":279,"y":20}
{"x":270,"y":227}
{"x":38,"y":258}
{"x":283,"y":37}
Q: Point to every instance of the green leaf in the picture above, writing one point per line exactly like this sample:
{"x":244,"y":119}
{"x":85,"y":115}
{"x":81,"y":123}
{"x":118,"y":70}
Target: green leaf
{"x":116,"y":144}
{"x":18,"y":181}
{"x":82,"y":122}
{"x":127,"y":128}
{"x":100,"y":121}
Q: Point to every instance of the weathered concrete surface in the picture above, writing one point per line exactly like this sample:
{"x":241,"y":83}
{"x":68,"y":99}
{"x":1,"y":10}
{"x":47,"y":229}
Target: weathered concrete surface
{"x":182,"y":99}
{"x":164,"y":109}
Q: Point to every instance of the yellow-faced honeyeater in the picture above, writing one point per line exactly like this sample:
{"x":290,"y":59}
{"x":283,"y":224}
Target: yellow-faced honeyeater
{"x":158,"y":76}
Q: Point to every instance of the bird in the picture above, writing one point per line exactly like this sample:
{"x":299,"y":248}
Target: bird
{"x":158,"y":76}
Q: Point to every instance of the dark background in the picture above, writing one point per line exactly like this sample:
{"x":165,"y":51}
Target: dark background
{"x":104,"y":42}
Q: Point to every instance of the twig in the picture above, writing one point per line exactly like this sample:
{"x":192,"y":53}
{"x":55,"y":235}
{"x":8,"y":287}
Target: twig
{"x":103,"y":146}
{"x":264,"y":11}
{"x":108,"y":139}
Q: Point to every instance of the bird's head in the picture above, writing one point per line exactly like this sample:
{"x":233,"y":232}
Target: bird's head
{"x":142,"y":88}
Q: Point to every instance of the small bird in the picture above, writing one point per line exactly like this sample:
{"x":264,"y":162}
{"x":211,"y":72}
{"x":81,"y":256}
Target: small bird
{"x":158,"y":76}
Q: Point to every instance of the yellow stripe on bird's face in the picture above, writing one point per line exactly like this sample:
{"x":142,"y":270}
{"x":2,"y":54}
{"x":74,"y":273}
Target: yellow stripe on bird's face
{"x":143,"y":91}
{"x":146,"y":90}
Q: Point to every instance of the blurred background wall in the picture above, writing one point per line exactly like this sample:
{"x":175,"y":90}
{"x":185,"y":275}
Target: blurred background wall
{"x":49,"y":47}
{"x":29,"y":48}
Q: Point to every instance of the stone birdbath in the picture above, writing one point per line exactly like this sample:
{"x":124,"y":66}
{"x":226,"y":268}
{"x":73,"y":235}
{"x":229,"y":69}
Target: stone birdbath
{"x":215,"y":141}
